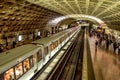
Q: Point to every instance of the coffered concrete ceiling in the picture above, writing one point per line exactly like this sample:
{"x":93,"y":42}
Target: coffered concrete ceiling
{"x":106,"y":10}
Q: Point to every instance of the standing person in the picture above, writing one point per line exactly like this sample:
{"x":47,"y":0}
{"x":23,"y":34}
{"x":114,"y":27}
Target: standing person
{"x":96,"y":44}
{"x":1,"y":50}
{"x":107,"y":44}
{"x":118,"y":48}
{"x":114,"y":46}
{"x":14,"y":43}
{"x":100,"y":41}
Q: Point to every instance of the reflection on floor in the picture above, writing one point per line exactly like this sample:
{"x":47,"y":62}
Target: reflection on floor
{"x":106,"y":63}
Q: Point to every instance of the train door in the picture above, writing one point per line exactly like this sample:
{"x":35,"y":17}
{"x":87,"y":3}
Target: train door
{"x":39,"y":55}
{"x":35,"y":59}
{"x":43,"y":55}
{"x":31,"y":61}
{"x":49,"y":50}
{"x":59,"y":44}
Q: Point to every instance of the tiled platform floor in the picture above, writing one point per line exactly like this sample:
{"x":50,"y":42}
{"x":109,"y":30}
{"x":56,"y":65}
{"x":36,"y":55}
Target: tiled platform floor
{"x":106,"y":63}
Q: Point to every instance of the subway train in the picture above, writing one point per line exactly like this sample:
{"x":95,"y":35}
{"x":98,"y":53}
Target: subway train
{"x":23,"y":62}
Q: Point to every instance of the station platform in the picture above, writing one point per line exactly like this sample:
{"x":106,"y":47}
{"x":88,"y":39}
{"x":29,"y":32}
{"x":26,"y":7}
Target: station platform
{"x":106,"y":63}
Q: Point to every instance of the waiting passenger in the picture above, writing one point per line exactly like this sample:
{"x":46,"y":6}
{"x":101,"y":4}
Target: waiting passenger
{"x":14,"y":43}
{"x":100,"y":41}
{"x":96,"y":44}
{"x":1,"y":50}
{"x":119,"y":48}
{"x":107,"y":44}
{"x":115,"y":46}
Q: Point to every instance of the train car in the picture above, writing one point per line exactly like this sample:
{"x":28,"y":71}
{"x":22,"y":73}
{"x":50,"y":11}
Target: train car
{"x":23,"y":62}
{"x":52,"y":44}
{"x":18,"y":63}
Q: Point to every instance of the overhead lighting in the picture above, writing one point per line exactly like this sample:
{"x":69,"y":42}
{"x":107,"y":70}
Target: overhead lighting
{"x":39,"y":33}
{"x":20,"y":38}
{"x":58,"y":19}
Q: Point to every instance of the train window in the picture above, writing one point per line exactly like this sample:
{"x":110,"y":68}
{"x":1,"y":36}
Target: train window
{"x":52,"y":47}
{"x":26,"y":65}
{"x":9,"y":74}
{"x":56,"y":43}
{"x":34,"y":58}
{"x":18,"y":70}
{"x":60,"y":40}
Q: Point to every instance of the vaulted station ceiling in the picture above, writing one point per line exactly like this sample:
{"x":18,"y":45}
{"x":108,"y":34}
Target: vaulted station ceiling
{"x":25,"y":16}
{"x":106,"y":10}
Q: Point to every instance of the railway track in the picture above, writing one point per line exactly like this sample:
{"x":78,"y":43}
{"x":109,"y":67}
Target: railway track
{"x":70,"y":66}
